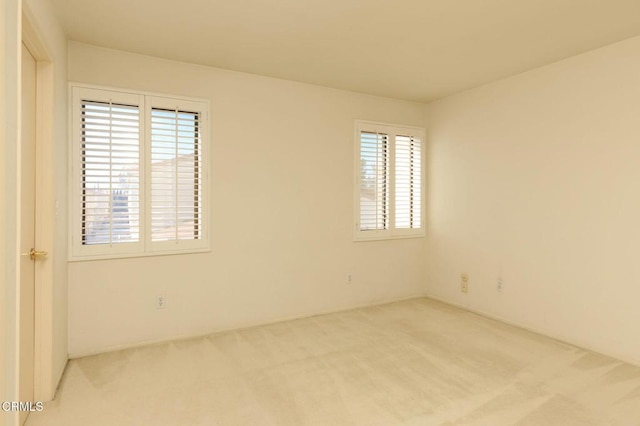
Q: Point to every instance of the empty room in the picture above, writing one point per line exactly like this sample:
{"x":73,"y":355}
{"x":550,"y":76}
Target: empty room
{"x":302,"y":212}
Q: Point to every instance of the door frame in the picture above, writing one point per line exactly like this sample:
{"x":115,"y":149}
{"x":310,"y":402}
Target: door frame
{"x":44,"y":383}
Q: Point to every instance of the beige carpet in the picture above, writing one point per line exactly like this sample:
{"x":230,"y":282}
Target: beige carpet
{"x":417,"y":362}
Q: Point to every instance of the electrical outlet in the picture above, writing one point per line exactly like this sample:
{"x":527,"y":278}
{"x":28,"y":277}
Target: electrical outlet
{"x":499,"y":285}
{"x":161,"y":302}
{"x":349,"y":278}
{"x":464,"y":283}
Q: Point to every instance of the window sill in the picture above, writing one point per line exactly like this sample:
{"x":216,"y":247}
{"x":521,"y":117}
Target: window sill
{"x":89,"y":258}
{"x":361,"y":239}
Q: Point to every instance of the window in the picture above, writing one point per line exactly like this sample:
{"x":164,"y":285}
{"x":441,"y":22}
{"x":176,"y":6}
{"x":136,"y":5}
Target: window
{"x":389,"y":181}
{"x":139,"y":174}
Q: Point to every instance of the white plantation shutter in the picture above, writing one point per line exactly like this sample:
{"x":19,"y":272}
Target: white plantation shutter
{"x":408,"y":186}
{"x":139,"y":174}
{"x":110,"y":173}
{"x":389,"y":183}
{"x":176,"y":179}
{"x":374,"y":181}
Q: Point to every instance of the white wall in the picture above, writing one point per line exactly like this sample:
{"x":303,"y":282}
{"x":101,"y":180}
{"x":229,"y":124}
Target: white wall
{"x":282,"y":195}
{"x":536,"y":179}
{"x":9,"y":124}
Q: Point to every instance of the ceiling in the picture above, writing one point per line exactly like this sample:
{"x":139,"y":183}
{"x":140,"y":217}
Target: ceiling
{"x":417,"y":50}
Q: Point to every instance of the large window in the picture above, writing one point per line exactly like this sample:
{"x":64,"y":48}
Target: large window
{"x":139,"y":174}
{"x":389,"y":184}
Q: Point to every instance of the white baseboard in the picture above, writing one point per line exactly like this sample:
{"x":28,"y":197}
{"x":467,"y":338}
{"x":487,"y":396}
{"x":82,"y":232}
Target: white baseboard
{"x":543,"y":331}
{"x":539,"y":330}
{"x":240,"y":326}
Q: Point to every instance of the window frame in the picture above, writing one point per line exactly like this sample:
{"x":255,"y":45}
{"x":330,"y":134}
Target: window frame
{"x":146,"y":101}
{"x":392,"y":130}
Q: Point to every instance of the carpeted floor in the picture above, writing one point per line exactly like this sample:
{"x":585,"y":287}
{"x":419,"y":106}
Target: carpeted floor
{"x":416,"y":362}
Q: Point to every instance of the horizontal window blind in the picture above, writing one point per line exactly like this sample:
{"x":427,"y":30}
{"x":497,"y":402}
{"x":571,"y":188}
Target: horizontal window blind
{"x":389,"y":184}
{"x":176,"y":175}
{"x":139,"y":174}
{"x":374,"y":181}
{"x":408,"y":188}
{"x":110,"y":159}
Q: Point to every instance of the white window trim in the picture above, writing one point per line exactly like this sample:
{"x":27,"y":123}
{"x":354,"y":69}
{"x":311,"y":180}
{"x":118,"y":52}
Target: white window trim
{"x":145,"y":247}
{"x":392,"y":232}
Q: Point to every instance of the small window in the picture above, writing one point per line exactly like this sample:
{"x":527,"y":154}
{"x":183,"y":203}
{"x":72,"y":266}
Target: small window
{"x":138,"y":174}
{"x":389,"y":183}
